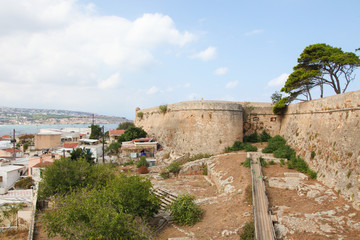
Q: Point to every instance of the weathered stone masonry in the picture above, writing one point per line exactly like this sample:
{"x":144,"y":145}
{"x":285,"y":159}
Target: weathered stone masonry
{"x":327,"y":129}
{"x":195,"y":126}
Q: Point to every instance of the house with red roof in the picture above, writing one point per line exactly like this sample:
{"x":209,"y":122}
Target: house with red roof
{"x":9,"y":152}
{"x":71,"y":145}
{"x":115,"y":134}
{"x":6,"y":137}
{"x":36,"y":170}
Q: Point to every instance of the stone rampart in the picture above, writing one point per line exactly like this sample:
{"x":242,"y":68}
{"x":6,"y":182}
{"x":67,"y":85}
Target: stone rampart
{"x":259,"y":117}
{"x":194,"y":126}
{"x":326,"y":133}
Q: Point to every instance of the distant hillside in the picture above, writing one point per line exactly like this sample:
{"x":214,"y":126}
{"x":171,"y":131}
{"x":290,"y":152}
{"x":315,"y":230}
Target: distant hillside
{"x":52,"y":116}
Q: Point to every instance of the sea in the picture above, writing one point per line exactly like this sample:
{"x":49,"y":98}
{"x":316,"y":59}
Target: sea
{"x":33,"y":129}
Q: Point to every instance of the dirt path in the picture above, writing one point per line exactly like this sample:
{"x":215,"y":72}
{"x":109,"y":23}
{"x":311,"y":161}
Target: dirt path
{"x":225,"y":213}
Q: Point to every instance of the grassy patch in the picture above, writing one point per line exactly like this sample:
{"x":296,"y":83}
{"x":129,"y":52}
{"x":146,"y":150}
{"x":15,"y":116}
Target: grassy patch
{"x":248,"y":231}
{"x":247,"y":162}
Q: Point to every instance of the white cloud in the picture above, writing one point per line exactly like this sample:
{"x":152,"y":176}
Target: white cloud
{"x":61,"y":45}
{"x":221,"y":71}
{"x":187,"y":85}
{"x":279,"y":81}
{"x":232,"y":84}
{"x":152,"y":90}
{"x":110,"y":82}
{"x":254,"y":32}
{"x":206,"y":55}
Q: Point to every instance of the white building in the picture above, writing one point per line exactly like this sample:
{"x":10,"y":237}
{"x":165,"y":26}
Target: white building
{"x":9,"y":174}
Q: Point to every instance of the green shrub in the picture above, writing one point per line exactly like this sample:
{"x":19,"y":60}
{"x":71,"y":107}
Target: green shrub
{"x":25,"y":183}
{"x":248,"y":231}
{"x":26,"y":146}
{"x":142,"y":162}
{"x":204,"y":168}
{"x":174,"y":167}
{"x":163,"y":108}
{"x":199,"y":156}
{"x":313,"y":154}
{"x":300,"y":164}
{"x":184,"y":210}
{"x":250,"y":148}
{"x":247,"y":162}
{"x":264,"y":136}
{"x":282,"y":162}
{"x":140,"y":115}
{"x":131,"y":162}
{"x":284,"y":151}
{"x":241,"y":146}
{"x":237,"y":146}
{"x":262,"y":162}
{"x":272,"y":162}
{"x":165,"y":174}
{"x":312,"y":174}
{"x":274,"y":143}
{"x":290,"y":165}
{"x":252,"y":138}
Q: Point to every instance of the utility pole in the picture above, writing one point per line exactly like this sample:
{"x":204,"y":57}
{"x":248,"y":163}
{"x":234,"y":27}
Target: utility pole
{"x":13,"y":141}
{"x":103,"y":142}
{"x":93,"y":119}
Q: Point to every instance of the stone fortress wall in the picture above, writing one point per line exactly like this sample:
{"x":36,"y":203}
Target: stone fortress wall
{"x":194,"y":126}
{"x":326,"y":129}
{"x":259,"y":117}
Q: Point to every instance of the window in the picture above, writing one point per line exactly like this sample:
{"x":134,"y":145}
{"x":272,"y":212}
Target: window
{"x":1,"y":178}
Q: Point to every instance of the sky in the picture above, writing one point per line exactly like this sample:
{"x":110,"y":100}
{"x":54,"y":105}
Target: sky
{"x":111,"y":56}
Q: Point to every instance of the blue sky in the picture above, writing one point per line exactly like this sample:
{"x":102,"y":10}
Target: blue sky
{"x":110,"y":57}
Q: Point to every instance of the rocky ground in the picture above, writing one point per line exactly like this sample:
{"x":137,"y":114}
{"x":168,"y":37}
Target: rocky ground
{"x":306,"y":209}
{"x":221,"y":194}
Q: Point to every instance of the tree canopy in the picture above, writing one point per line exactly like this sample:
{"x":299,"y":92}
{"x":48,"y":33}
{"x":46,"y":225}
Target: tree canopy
{"x":276,"y":97}
{"x":332,"y":64}
{"x":66,"y":175}
{"x":82,"y":153}
{"x":113,"y":148}
{"x":92,"y":202}
{"x":89,"y":214}
{"x":132,"y":133}
{"x":319,"y":65}
{"x":96,"y":132}
{"x":125,"y":125}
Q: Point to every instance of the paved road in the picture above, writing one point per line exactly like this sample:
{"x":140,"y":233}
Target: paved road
{"x":263,"y":224}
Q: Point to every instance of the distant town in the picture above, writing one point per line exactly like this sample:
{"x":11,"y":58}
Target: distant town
{"x":27,"y":116}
